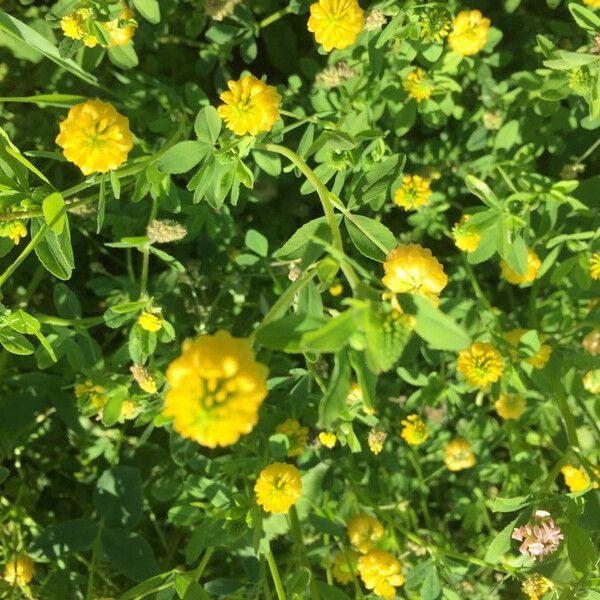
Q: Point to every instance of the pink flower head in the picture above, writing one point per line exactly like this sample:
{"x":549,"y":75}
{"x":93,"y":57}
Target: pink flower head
{"x":540,"y":537}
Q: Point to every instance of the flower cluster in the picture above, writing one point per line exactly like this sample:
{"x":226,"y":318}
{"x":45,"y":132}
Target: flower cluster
{"x":418,"y":85}
{"x":414,"y":430}
{"x":413,"y":193}
{"x":465,"y":239}
{"x":19,"y":569}
{"x":470,"y":32}
{"x":380,"y":572}
{"x":278,"y":487}
{"x":540,"y":537}
{"x":533,"y":266}
{"x":510,"y":406}
{"x":480,"y":364}
{"x":13,"y":230}
{"x":296,"y":434}
{"x":336,"y":23}
{"x":459,"y":455}
{"x":577,"y":479}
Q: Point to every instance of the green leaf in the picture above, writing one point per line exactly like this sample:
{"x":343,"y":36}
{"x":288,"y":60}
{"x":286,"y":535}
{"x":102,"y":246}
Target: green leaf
{"x":331,"y":593}
{"x":502,"y":505}
{"x":584,"y":17}
{"x":580,"y":547}
{"x":153,"y":584}
{"x":334,"y":335}
{"x":257,"y":242}
{"x":59,"y":540}
{"x":118,"y":496}
{"x":517,"y":256}
{"x":22,"y":322}
{"x":334,"y":401}
{"x":371,"y":238}
{"x":482,"y":191}
{"x":297,"y":244}
{"x":123,"y":57}
{"x":183,"y":157}
{"x":500,"y":544}
{"x":129,"y":553}
{"x":54,"y":250}
{"x":207,"y":125}
{"x":438,"y":329}
{"x":15,"y":343}
{"x":149,"y":9}
{"x":432,"y":587}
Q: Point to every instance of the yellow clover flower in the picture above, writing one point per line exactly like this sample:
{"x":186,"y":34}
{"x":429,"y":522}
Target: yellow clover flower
{"x":577,"y":479}
{"x":533,"y":266}
{"x":464,"y":240}
{"x":144,"y":378}
{"x":216,"y":389}
{"x":459,"y":455}
{"x":278,"y":487}
{"x":435,"y":24}
{"x":150,"y":321}
{"x":480,"y":364}
{"x":250,"y":106}
{"x":336,"y":290}
{"x":413,"y":193}
{"x":121,"y":35}
{"x":591,"y":381}
{"x":380,"y":572}
{"x":376,"y":440}
{"x":328,"y":439}
{"x":536,"y":586}
{"x":296,"y":434}
{"x":336,"y":23}
{"x":345,"y":566}
{"x":540,"y":358}
{"x":510,"y":406}
{"x":15,"y":230}
{"x":592,"y":3}
{"x":19,"y":569}
{"x":91,"y":398}
{"x":364,"y":532}
{"x":595,"y":266}
{"x":470,"y":32}
{"x":73,"y":25}
{"x":413,"y":269}
{"x":591,"y":342}
{"x":418,"y":85}
{"x":414,"y":430}
{"x":95,"y":137}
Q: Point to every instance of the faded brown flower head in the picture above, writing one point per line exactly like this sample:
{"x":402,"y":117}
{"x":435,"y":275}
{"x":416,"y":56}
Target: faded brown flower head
{"x":335,"y":75}
{"x":143,"y":378}
{"x":163,"y":231}
{"x":375,"y":20}
{"x":219,"y":9}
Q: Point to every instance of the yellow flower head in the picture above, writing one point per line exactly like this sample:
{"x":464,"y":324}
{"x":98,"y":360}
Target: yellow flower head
{"x":465,"y":240}
{"x":418,"y":86}
{"x":15,"y":230}
{"x":143,"y":378}
{"x":74,"y":24}
{"x":533,"y":266}
{"x":251,"y":106}
{"x":480,"y":364}
{"x":380,"y":572}
{"x":540,"y":358}
{"x":376,"y":440}
{"x":591,"y":381}
{"x":336,"y":290}
{"x":577,"y":479}
{"x":470,"y":32}
{"x":130,"y":410}
{"x":121,"y":35}
{"x":216,"y":389}
{"x":150,"y":321}
{"x":296,"y":435}
{"x":592,"y":3}
{"x":354,"y":394}
{"x":364,"y":532}
{"x":459,"y":455}
{"x":414,"y":430}
{"x":91,"y":398}
{"x":591,"y":342}
{"x":413,"y":269}
{"x":19,"y":569}
{"x":342,"y":571}
{"x":95,"y":137}
{"x":595,"y":265}
{"x":278,"y":487}
{"x":435,"y":24}
{"x":328,"y":439}
{"x":413,"y":193}
{"x":536,"y":586}
{"x":510,"y":406}
{"x":336,"y":23}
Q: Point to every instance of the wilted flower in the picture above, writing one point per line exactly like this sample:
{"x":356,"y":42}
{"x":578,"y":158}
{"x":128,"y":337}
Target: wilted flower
{"x":536,"y":586}
{"x":595,"y":265}
{"x":380,"y":572}
{"x":278,"y":487}
{"x":335,"y":75}
{"x":364,"y":532}
{"x":328,"y":439}
{"x":464,"y":239}
{"x":414,"y":430}
{"x":375,"y":20}
{"x":219,"y":9}
{"x":418,"y":86}
{"x":336,"y":23}
{"x":591,"y":381}
{"x":591,"y":342}
{"x":413,"y":269}
{"x":376,"y":440}
{"x":435,"y":24}
{"x":577,"y":479}
{"x":480,"y":364}
{"x":296,"y":435}
{"x":19,"y":569}
{"x":510,"y":406}
{"x":345,"y":566}
{"x":413,"y":193}
{"x":533,"y":266}
{"x":540,"y":536}
{"x":459,"y":455}
{"x":143,"y":378}
{"x":470,"y":32}
{"x":493,"y":120}
{"x":163,"y":231}
{"x":250,"y":106}
{"x":216,"y":389}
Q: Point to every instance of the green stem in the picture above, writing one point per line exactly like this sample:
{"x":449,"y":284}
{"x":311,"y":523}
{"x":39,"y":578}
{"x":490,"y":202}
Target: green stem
{"x":275,"y":575}
{"x":588,"y":151}
{"x":326,"y":203}
{"x":414,"y":459}
{"x":566,"y":413}
{"x":199,"y":570}
{"x":274,"y":17}
{"x":92,"y":569}
{"x":476,"y":287}
{"x":301,"y":549}
{"x":146,"y":251}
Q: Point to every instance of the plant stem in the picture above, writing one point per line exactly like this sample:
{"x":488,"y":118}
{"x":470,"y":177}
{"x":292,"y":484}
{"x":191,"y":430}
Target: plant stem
{"x":566,"y":413}
{"x":274,"y":17}
{"x":324,"y":196}
{"x":414,"y":459}
{"x":275,"y":575}
{"x":146,"y":251}
{"x":199,"y":570}
{"x":297,"y":535}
